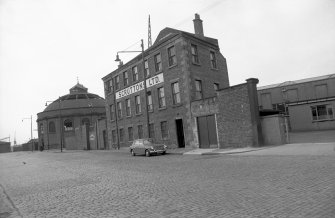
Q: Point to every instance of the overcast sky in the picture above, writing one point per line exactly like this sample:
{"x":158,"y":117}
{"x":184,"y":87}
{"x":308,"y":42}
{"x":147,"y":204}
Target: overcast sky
{"x":46,"y":44}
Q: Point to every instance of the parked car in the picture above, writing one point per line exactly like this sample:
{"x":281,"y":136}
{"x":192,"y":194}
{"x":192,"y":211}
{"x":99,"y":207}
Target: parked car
{"x":147,"y":147}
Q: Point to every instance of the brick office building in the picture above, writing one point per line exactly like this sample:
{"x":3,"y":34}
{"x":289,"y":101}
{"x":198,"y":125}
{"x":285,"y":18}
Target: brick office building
{"x":180,"y":67}
{"x":309,"y":102}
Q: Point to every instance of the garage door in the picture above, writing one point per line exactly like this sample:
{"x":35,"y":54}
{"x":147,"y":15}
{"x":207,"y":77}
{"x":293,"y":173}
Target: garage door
{"x":207,"y":131}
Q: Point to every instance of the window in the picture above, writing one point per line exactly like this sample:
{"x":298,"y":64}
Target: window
{"x":68,"y":126}
{"x":164,"y":130}
{"x":112,"y":111}
{"x":138,"y":104}
{"x":140,"y":131}
{"x":109,"y":86}
{"x":172,"y":56}
{"x":146,"y":68}
{"x":130,"y":134}
{"x":119,"y":110}
{"x":322,"y":112}
{"x":213,"y":59}
{"x":266,"y":101}
{"x":280,"y":107}
{"x":117,"y":82}
{"x":321,"y":91}
{"x":121,"y":135}
{"x":85,"y":121}
{"x":125,"y":78}
{"x":158,"y":62}
{"x":175,"y":93}
{"x":113,"y":136}
{"x":216,"y":86}
{"x":52,"y":127}
{"x":41,"y":128}
{"x":151,"y":130}
{"x":161,"y":97}
{"x":135,"y":73}
{"x":128,"y":108}
{"x":292,"y":95}
{"x":150,"y":106}
{"x":194,"y":52}
{"x":198,"y":89}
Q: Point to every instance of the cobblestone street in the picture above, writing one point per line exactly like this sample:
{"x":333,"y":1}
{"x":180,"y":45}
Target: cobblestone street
{"x":115,"y":184}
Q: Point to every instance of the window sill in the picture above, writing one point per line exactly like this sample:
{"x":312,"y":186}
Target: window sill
{"x":129,"y":116}
{"x":177,"y":105}
{"x":139,"y":114}
{"x":324,"y":120}
{"x":157,"y":72}
{"x":197,"y":64}
{"x":172,"y":66}
{"x":215,"y":69}
{"x":162,"y":108}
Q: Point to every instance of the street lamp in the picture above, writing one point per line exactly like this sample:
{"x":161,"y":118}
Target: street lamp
{"x":144,"y":81}
{"x":31,"y":131}
{"x":60,"y":124}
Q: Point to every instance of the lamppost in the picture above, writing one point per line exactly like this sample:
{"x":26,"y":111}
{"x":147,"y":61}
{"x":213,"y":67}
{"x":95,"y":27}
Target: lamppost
{"x":31,"y":131}
{"x":60,"y":124}
{"x":144,"y":81}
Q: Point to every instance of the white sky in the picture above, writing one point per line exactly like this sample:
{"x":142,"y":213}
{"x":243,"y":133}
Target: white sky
{"x":46,"y":44}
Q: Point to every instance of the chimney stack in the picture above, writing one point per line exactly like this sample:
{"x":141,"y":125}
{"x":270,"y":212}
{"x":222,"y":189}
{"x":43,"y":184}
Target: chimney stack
{"x":198,"y":29}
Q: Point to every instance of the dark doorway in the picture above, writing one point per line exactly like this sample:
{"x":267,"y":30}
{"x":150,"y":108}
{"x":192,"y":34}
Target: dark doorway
{"x":207,"y":131}
{"x":104,"y":135}
{"x":180,"y":133}
{"x":88,"y":136}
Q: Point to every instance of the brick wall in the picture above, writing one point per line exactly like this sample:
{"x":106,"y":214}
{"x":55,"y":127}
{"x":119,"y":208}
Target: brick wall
{"x":234,"y":120}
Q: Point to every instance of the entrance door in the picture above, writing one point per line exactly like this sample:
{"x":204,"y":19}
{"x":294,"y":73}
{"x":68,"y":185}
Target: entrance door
{"x":180,"y":133}
{"x":88,"y":137}
{"x":207,"y":131}
{"x":104,"y":138}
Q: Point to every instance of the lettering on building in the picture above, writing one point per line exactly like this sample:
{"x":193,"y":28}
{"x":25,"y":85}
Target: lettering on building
{"x":152,"y":81}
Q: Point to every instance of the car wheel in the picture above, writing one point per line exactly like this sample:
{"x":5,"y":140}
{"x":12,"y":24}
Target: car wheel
{"x":164,"y":152}
{"x":133,"y":153}
{"x":147,"y":153}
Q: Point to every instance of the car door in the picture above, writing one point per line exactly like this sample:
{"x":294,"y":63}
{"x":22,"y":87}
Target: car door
{"x":142,"y":147}
{"x":135,"y":147}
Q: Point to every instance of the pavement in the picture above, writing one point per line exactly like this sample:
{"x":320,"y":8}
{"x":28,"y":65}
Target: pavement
{"x":294,"y":180}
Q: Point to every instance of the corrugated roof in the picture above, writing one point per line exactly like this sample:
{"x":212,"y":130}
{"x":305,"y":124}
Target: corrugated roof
{"x":288,"y":83}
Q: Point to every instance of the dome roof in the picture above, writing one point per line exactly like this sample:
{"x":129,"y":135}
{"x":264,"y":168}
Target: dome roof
{"x":77,"y":99}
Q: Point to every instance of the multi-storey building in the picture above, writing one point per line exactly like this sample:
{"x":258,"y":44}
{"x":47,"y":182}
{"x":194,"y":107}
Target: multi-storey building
{"x":309,"y":102}
{"x":180,"y":67}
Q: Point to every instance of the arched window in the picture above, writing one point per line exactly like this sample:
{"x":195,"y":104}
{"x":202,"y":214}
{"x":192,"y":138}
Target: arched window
{"x":68,"y":126}
{"x":85,"y":121}
{"x":52,"y":127}
{"x":41,"y":128}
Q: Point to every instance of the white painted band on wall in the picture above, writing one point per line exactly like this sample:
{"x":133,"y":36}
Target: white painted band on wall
{"x":155,"y":80}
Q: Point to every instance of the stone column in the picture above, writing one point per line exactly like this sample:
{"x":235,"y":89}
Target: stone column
{"x":254,"y":111}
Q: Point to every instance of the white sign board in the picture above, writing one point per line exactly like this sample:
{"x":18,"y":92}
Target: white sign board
{"x":92,"y":137}
{"x":152,"y":81}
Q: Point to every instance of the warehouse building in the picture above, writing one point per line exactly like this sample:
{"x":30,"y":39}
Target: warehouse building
{"x":179,"y":68}
{"x":309,"y":102}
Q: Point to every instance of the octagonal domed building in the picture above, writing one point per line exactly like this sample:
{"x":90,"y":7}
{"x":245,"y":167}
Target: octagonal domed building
{"x":71,"y":121}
